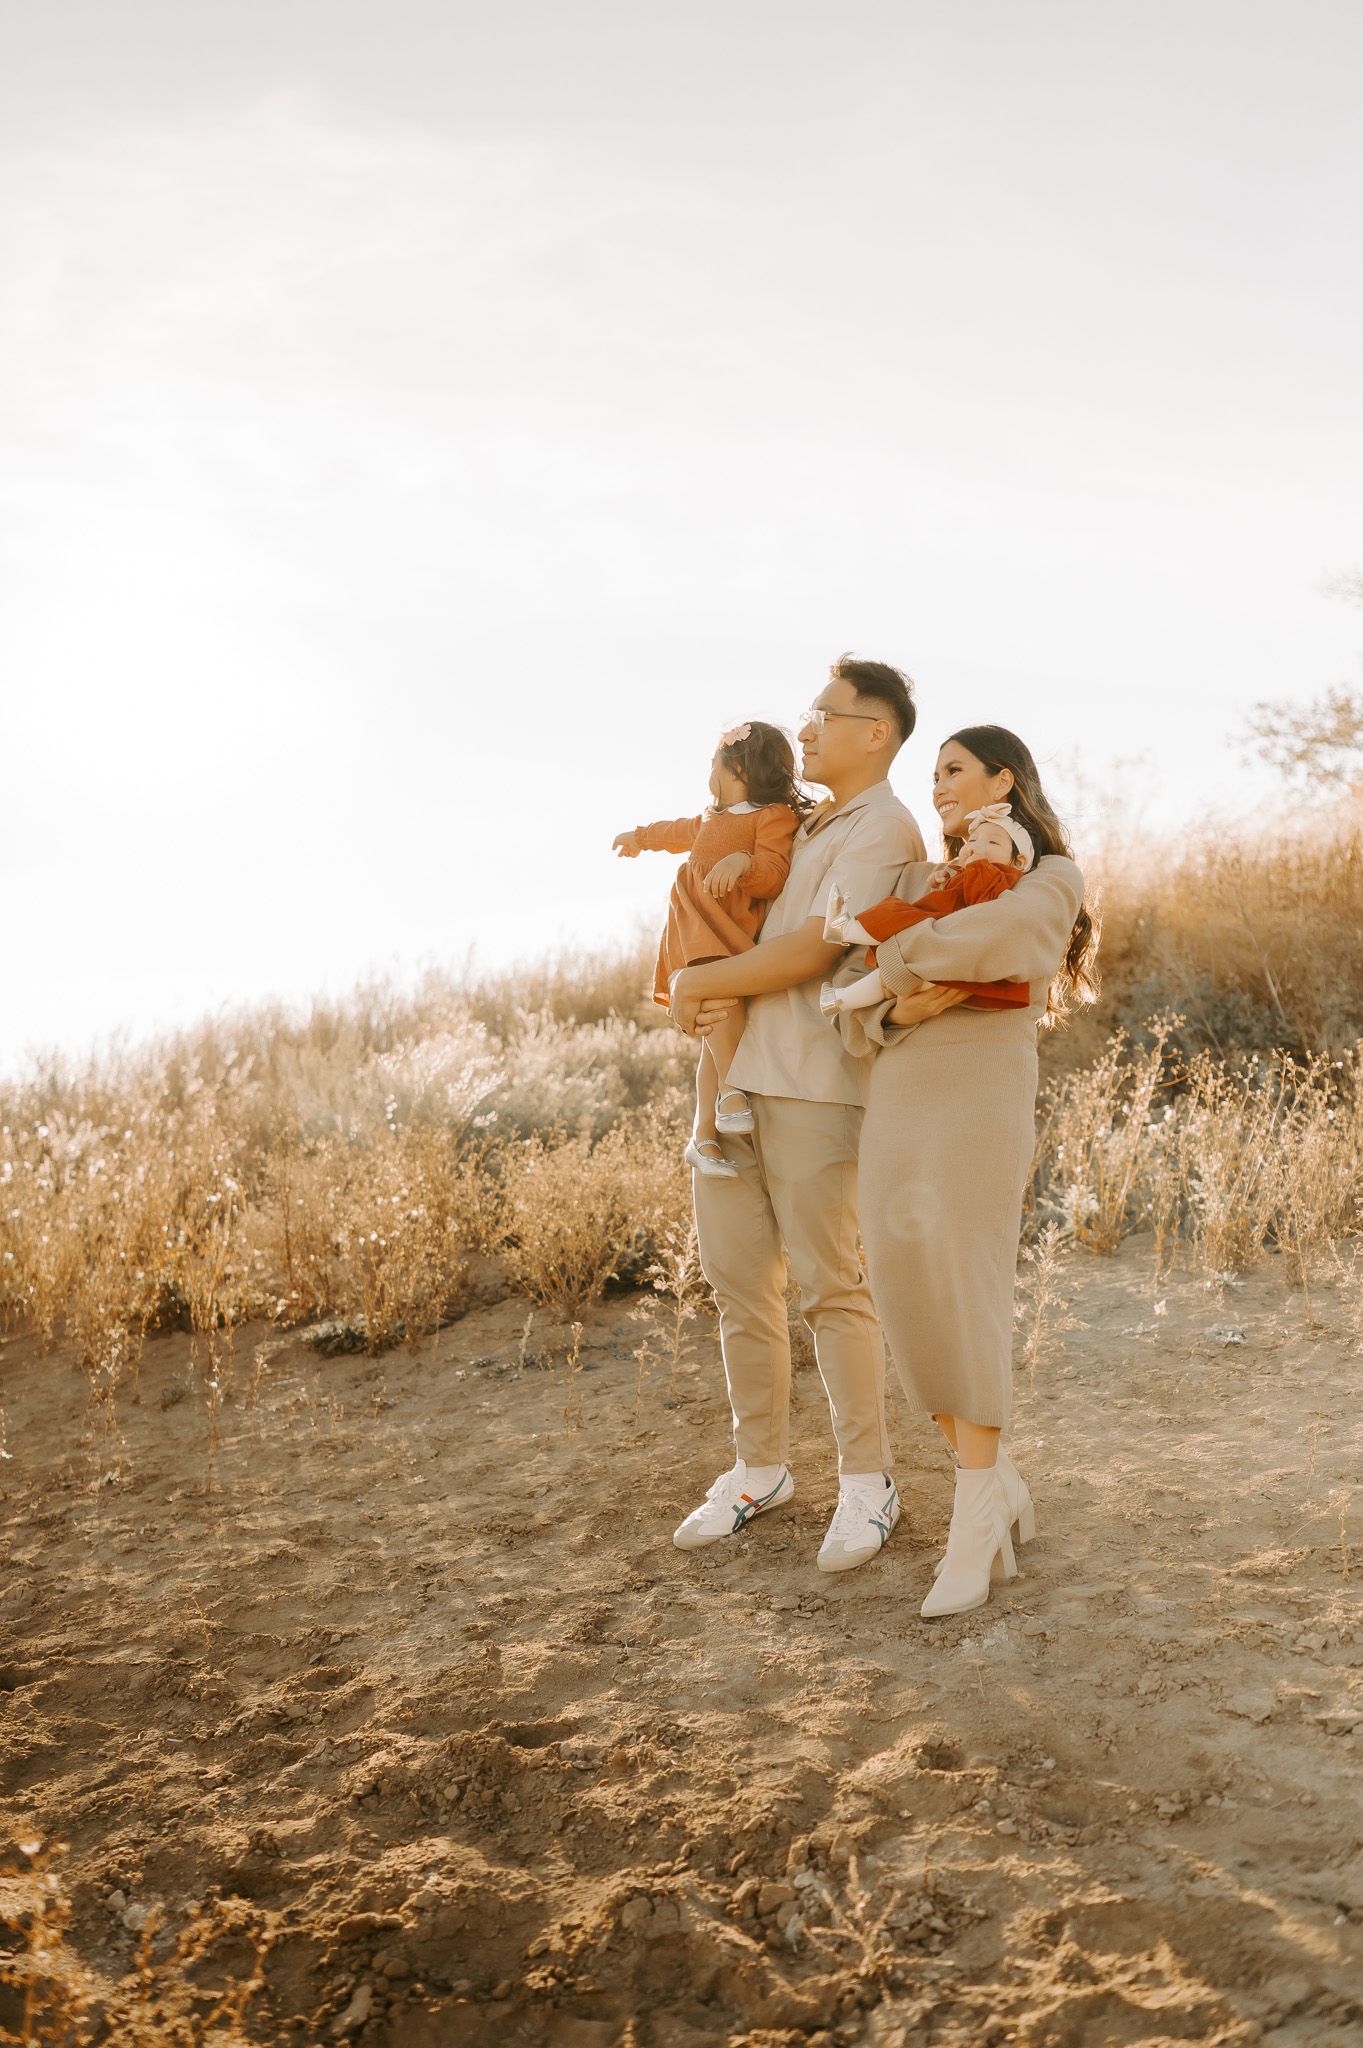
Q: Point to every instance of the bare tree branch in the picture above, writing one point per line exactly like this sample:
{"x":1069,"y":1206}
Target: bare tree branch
{"x":1320,"y":741}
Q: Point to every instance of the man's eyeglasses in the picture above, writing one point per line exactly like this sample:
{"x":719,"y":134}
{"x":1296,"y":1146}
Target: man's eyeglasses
{"x":817,"y":715}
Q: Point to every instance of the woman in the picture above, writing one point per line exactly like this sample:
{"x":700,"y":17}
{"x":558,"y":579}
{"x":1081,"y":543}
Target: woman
{"x":947,"y":1144}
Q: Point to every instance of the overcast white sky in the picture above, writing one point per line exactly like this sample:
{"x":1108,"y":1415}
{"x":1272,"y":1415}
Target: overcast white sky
{"x":424,"y":426}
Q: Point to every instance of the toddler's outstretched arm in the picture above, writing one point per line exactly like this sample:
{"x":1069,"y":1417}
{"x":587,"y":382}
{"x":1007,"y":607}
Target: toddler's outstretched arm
{"x":668,"y":835}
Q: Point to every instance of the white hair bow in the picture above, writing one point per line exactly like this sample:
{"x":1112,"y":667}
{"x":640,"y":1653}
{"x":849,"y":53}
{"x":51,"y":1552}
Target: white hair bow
{"x":999,"y":814}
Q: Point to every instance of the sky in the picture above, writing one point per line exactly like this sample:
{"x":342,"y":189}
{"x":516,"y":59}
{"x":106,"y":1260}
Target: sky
{"x":424,"y":428}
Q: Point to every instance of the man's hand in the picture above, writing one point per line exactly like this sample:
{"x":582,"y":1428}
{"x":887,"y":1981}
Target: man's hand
{"x":712,"y":1011}
{"x":626,"y":844}
{"x":696,"y":1015}
{"x":928,"y":1000}
{"x":726,"y":874}
{"x":682,"y":1006}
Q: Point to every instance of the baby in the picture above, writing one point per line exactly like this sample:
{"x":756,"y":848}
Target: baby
{"x":998,"y":851}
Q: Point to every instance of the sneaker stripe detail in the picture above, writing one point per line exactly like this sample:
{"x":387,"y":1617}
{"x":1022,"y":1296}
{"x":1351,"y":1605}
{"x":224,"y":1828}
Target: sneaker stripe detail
{"x":755,"y":1507}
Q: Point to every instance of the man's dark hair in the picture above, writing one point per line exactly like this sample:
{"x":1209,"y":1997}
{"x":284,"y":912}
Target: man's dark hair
{"x":884,"y":685}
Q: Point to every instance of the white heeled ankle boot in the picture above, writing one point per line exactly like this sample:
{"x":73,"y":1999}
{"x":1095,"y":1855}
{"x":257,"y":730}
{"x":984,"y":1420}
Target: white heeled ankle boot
{"x":1017,"y":1495}
{"x":980,"y":1539}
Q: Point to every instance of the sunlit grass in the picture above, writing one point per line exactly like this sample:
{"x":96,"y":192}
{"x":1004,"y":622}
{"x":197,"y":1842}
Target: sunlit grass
{"x":384,"y":1157}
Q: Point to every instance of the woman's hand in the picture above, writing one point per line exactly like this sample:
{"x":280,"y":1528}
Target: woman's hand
{"x":929,"y":999}
{"x":626,"y":844}
{"x":726,"y":874}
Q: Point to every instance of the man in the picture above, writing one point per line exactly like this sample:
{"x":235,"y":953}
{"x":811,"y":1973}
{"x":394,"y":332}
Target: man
{"x":796,"y":1182}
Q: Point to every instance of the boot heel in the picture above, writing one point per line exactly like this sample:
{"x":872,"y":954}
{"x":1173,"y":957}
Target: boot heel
{"x":1026,"y":1520}
{"x":979,"y":1545}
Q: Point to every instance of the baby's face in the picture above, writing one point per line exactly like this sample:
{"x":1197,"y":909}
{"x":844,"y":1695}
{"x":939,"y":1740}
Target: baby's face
{"x":989,"y":842}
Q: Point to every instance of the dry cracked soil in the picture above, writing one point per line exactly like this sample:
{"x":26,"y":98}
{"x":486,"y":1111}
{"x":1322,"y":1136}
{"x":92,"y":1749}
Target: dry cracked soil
{"x":368,"y":1700}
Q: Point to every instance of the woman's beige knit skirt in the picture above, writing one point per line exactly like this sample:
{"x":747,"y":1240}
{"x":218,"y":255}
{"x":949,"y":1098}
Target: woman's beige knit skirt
{"x":946,"y":1148}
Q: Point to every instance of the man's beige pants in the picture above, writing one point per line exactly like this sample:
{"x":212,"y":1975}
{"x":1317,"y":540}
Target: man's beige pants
{"x":797,"y":1182}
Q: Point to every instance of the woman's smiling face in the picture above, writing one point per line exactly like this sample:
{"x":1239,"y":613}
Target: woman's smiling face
{"x":962,"y":783}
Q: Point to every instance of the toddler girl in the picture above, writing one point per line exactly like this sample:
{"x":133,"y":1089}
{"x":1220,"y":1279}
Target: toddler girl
{"x":739,"y":859}
{"x":998,"y":850}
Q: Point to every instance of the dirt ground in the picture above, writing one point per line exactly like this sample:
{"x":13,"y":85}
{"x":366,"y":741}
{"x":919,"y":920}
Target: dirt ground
{"x":402,"y":1688}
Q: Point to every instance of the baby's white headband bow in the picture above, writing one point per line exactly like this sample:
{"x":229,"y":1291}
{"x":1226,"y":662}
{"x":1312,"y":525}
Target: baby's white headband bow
{"x":999,"y":814}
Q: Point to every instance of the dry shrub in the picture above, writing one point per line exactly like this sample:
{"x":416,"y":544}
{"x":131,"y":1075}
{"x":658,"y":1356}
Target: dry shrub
{"x":1268,"y":1154}
{"x":1273,"y":1155}
{"x":571,"y":987}
{"x":1251,"y":938}
{"x":361,"y":1158}
{"x":109,"y":1233}
{"x":343,"y":1162}
{"x":1096,"y":1138}
{"x":380,"y":1233}
{"x":50,"y":1998}
{"x":577,"y":1216}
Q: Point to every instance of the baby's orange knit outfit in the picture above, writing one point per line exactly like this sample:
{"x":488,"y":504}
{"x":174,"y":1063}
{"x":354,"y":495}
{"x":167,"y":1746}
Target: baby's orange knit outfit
{"x":978,"y":882}
{"x":704,"y":927}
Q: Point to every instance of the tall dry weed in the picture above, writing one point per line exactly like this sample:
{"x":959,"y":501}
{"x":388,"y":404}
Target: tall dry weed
{"x":676,"y":1295}
{"x":1098,"y":1138}
{"x":50,"y":1998}
{"x":577,"y":1216}
{"x":380,"y":1233}
{"x":1229,"y":1162}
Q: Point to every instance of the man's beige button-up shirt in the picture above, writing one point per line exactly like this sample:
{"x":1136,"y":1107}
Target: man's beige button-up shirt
{"x":788,"y":1046}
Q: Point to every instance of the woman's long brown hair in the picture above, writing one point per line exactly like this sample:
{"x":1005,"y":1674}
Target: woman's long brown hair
{"x":997,"y":748}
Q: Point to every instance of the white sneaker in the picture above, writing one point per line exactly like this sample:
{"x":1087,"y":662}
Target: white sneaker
{"x":862,"y":1524}
{"x":727,"y":1508}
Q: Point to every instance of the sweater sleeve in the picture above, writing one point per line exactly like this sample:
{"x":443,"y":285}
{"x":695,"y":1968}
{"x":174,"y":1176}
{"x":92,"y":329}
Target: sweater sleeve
{"x":1019,"y":936}
{"x":776,"y":828}
{"x":669,"y":835}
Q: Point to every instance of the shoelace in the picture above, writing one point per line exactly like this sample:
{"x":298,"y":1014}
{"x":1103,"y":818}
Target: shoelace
{"x":722,"y":1484}
{"x":853,"y":1507}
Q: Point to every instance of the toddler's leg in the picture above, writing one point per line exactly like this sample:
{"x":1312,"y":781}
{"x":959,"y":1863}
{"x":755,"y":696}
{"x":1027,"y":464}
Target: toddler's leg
{"x":707,"y":1093}
{"x":723,"y":1041}
{"x":734,"y":1111}
{"x":858,"y":995}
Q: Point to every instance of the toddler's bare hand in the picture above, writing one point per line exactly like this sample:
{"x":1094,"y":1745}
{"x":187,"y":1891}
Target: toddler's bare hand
{"x":726,"y":874}
{"x":626,"y":844}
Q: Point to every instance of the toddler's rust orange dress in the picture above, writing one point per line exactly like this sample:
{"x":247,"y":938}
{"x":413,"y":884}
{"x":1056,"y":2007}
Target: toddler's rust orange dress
{"x":703,"y":927}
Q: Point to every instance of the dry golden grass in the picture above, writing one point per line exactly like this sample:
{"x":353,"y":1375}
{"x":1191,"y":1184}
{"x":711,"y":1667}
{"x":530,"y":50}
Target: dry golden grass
{"x":1225,"y":1163}
{"x":382,"y":1158}
{"x":53,"y":1997}
{"x":1251,"y":941}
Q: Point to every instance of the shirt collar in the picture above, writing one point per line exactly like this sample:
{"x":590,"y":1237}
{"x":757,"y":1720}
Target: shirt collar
{"x":878,"y":793}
